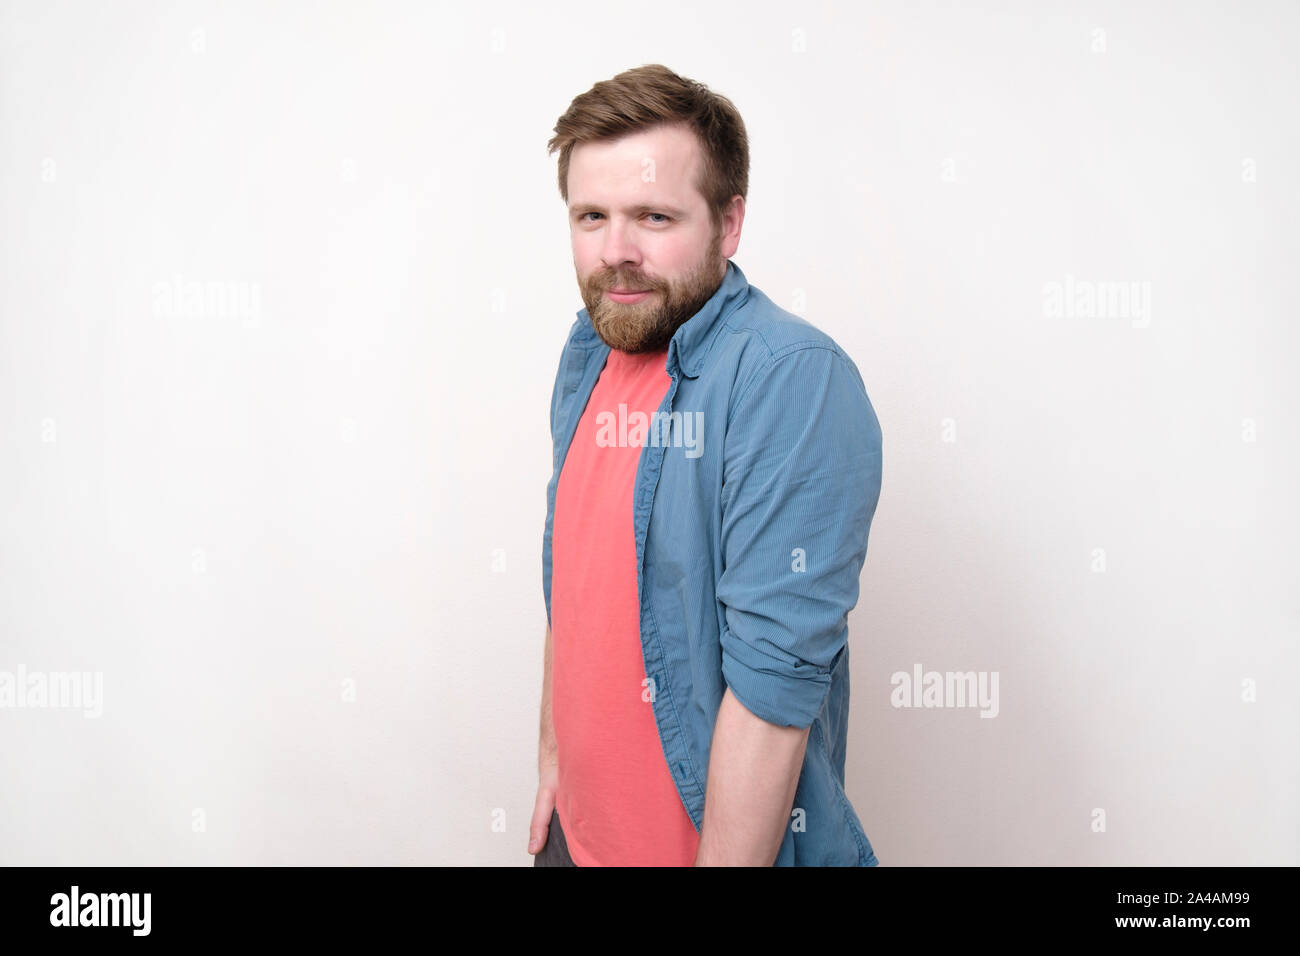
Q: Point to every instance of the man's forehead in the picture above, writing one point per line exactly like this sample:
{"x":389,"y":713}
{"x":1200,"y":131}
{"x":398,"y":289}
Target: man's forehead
{"x":657,"y":157}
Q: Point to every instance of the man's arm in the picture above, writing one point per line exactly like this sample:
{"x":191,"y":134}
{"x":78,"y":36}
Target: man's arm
{"x":801,"y":478}
{"x":546,"y":740}
{"x":753,"y":772}
{"x":547,"y":763}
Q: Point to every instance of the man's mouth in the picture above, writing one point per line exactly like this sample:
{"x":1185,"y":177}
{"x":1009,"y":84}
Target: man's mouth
{"x":628,"y":295}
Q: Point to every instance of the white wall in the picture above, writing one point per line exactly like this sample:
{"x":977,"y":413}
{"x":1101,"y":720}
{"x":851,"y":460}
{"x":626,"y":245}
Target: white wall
{"x":227,"y":514}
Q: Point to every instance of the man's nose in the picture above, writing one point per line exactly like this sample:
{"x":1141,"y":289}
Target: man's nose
{"x":619,"y":247}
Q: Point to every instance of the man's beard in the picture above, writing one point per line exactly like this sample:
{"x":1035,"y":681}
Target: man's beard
{"x":648,"y":325}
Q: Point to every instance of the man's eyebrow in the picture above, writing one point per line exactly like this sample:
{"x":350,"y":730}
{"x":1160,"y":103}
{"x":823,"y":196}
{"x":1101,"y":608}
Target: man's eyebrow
{"x":585,"y":207}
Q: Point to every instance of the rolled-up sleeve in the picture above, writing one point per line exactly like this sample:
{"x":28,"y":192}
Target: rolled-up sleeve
{"x":801,"y":480}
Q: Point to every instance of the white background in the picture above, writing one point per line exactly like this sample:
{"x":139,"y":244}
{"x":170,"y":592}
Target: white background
{"x":231,"y":516}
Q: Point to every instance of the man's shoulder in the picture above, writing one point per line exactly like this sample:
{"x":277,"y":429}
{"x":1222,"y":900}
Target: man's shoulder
{"x":581,"y":334}
{"x":761,"y":333}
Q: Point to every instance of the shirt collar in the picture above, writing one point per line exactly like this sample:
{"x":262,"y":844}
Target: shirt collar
{"x":690,"y":343}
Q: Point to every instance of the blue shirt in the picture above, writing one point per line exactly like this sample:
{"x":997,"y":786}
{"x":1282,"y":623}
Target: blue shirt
{"x":751,"y":510}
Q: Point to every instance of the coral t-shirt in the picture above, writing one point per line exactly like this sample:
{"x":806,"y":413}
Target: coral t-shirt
{"x":616,"y":798}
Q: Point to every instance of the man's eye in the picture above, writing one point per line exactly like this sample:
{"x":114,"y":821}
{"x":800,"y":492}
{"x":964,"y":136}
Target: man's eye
{"x":662,"y":217}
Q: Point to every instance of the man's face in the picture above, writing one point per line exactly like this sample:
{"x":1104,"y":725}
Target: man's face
{"x":639,"y":225}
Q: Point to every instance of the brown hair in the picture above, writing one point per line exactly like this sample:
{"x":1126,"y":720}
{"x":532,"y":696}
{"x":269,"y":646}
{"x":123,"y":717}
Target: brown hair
{"x":653,"y":95}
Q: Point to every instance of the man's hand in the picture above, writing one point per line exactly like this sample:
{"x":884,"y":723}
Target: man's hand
{"x":539,"y":829}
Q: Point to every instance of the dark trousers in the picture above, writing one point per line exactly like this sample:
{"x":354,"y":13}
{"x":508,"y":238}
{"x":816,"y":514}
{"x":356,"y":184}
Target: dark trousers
{"x":556,"y":850}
